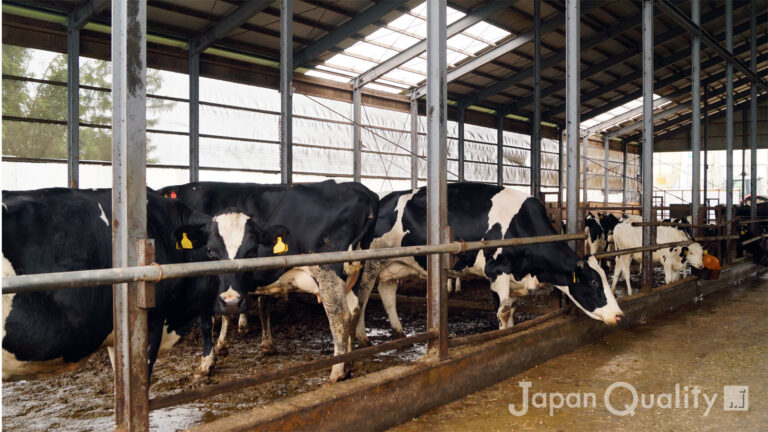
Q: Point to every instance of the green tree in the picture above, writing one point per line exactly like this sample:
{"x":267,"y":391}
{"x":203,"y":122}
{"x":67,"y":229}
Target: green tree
{"x":49,"y":102}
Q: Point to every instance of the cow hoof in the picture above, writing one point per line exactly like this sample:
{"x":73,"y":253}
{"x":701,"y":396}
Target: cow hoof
{"x":504,"y":313}
{"x":268,"y":348}
{"x":362,"y":343}
{"x":242,"y":331}
{"x":222,"y":350}
{"x":334,"y":377}
{"x":397,"y":334}
{"x":202,"y":374}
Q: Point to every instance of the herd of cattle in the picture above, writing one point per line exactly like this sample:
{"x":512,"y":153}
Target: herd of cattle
{"x":54,"y":230}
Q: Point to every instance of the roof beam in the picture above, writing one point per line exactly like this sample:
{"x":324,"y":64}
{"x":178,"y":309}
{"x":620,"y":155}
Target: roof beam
{"x":708,"y":40}
{"x":552,"y":60}
{"x":510,"y":45}
{"x":349,"y":28}
{"x":83,"y":14}
{"x":472,"y":18}
{"x":621,"y":118}
{"x":613,"y":61}
{"x":230,"y":22}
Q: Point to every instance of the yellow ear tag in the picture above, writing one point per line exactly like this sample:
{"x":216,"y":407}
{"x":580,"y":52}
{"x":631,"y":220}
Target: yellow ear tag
{"x":280,"y":247}
{"x":186,"y":243}
{"x":574,"y":277}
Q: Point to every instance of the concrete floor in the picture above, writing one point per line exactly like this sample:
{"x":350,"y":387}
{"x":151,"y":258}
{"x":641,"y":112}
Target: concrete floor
{"x":720,"y":341}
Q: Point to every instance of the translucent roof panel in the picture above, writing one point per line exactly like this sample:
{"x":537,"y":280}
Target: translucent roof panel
{"x":402,"y":33}
{"x":607,"y":116}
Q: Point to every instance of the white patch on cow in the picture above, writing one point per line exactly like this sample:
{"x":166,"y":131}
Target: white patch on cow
{"x":608,"y":312}
{"x":168,"y":340}
{"x":394,"y":237}
{"x":229,"y":295}
{"x":8,"y":270}
{"x":523,"y":286}
{"x":103,"y":216}
{"x":504,"y":206}
{"x":299,"y":278}
{"x":5,"y":206}
{"x":352,"y":302}
{"x":232,"y":231}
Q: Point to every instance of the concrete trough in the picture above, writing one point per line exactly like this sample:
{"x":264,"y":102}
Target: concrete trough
{"x":395,"y":395}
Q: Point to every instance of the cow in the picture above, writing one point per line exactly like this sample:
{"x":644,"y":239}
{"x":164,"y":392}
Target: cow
{"x":484,"y":212}
{"x":673,"y":259}
{"x":309,"y":218}
{"x":608,"y":222}
{"x":597,"y":239}
{"x":57,"y":230}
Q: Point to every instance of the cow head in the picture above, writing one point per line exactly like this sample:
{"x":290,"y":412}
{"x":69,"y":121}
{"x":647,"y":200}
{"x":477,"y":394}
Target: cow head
{"x":693,"y":254}
{"x":230,"y":235}
{"x":588,"y":288}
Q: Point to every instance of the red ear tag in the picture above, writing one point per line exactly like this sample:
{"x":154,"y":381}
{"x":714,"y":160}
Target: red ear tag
{"x":173,"y":195}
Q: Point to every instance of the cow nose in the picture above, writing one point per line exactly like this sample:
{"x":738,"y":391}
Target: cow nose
{"x":619,"y":316}
{"x":231,"y":302}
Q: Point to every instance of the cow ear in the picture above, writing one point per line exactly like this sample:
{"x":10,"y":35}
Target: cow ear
{"x":276,"y":237}
{"x":191,"y":236}
{"x":580,"y":264}
{"x":600,"y":215}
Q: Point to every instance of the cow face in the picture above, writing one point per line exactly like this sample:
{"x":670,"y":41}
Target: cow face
{"x":588,"y":288}
{"x":234,"y":235}
{"x":693,"y":254}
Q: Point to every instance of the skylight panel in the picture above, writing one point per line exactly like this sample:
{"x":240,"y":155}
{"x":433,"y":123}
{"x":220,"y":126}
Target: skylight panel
{"x":405,"y":76}
{"x":392,"y":38}
{"x":346,"y":61}
{"x":466,"y":43}
{"x":326,"y":75}
{"x":486,"y":31}
{"x":370,"y":51}
{"x":411,"y":24}
{"x":454,"y":57}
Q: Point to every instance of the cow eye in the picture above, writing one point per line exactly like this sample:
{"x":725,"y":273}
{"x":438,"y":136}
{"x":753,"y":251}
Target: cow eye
{"x":211,"y":253}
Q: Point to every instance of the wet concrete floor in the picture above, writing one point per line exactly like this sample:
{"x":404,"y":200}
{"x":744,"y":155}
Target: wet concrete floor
{"x":719,"y":341}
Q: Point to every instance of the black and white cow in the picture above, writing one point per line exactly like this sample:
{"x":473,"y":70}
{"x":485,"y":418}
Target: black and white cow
{"x":55,"y":230}
{"x":597,"y":239}
{"x":484,"y":212}
{"x":312,"y":218}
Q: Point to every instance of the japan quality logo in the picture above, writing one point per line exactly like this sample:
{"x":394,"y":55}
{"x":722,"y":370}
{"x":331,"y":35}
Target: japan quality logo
{"x":735,"y":398}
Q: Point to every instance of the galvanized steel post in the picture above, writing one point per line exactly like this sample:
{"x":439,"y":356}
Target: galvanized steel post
{"x":572,"y":90}
{"x":624,"y":175}
{"x":73,"y":104}
{"x":414,"y":143}
{"x":357,"y":101}
{"x":704,"y":132}
{"x":500,"y":148}
{"x":753,"y":109}
{"x":559,"y":168}
{"x":695,"y":114}
{"x":584,"y":158}
{"x":536,"y":122}
{"x":647,"y":149}
{"x":286,"y":91}
{"x":744,"y":140}
{"x":606,"y":146}
{"x":728,"y":117}
{"x":437,"y":122}
{"x":461,"y":109}
{"x":194,"y":114}
{"x":129,"y":209}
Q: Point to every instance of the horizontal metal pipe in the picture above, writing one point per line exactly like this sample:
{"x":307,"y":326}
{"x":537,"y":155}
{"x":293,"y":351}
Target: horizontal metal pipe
{"x":250,"y":381}
{"x":482,"y":337}
{"x":154,"y":273}
{"x":717,"y":238}
{"x":640,"y":249}
{"x":754,"y":239}
{"x":677,"y":224}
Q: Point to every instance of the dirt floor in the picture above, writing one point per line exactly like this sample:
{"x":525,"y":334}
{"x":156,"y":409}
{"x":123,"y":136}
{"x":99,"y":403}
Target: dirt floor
{"x":720,"y":341}
{"x":83,"y":399}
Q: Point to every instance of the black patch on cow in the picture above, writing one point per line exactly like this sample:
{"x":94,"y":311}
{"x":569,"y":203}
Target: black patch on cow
{"x":595,"y":230}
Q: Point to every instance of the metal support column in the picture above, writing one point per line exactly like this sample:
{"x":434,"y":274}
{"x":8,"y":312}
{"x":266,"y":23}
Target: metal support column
{"x":704,"y":132}
{"x":624,"y":175}
{"x":500,"y":148}
{"x":129,"y":208}
{"x":414,"y":143}
{"x":194,"y":116}
{"x":606,"y":149}
{"x":536,"y":123}
{"x":357,"y":101}
{"x":728,"y":116}
{"x":461,"y":109}
{"x":584,"y":158}
{"x":753,"y":109}
{"x":744,"y":140}
{"x":559,"y":167}
{"x":647,"y":149}
{"x":695,"y":115}
{"x":437,"y":123}
{"x":286,"y":91}
{"x":73,"y":104}
{"x":572,"y":90}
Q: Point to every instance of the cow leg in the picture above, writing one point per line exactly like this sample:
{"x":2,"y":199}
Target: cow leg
{"x":458,"y":284}
{"x":242,"y":324}
{"x":333,"y":294}
{"x":506,"y":312}
{"x":367,"y":281}
{"x":388,"y":293}
{"x":155,"y":337}
{"x":205,"y":325}
{"x":265,"y":304}
{"x":111,"y":352}
{"x":626,"y":263}
{"x":616,"y":272}
{"x":222,"y":346}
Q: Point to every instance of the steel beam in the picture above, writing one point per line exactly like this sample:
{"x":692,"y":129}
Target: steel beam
{"x":461,"y":110}
{"x":346,"y":30}
{"x":624,"y":175}
{"x":695,"y":114}
{"x":692,"y":25}
{"x":572,"y":90}
{"x":559,"y":169}
{"x":728,"y":119}
{"x":647,"y":147}
{"x":286,"y":91}
{"x":624,"y":117}
{"x":357,"y":101}
{"x":704,"y":130}
{"x":233,"y":20}
{"x":536,"y":124}
{"x":584,"y":170}
{"x":129,"y":209}
{"x":194,"y":117}
{"x":661,"y":115}
{"x":472,"y":18}
{"x":500,"y":149}
{"x":83,"y":14}
{"x":753,"y":108}
{"x":744,"y":140}
{"x":437,"y":122}
{"x":73,"y":104}
{"x":606,"y":150}
{"x":414,"y":143}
